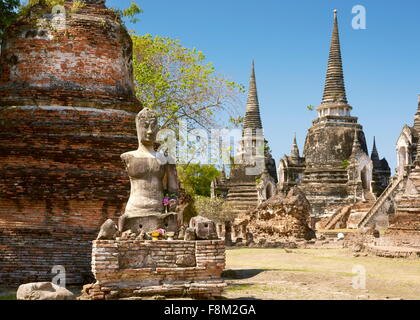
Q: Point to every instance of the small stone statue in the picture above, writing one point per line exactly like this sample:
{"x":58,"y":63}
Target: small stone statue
{"x":204,"y":228}
{"x":151,"y":173}
{"x":109,"y":231}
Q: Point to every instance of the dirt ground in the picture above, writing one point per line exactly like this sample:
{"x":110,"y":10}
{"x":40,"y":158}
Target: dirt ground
{"x":310,"y":274}
{"x":318,"y":274}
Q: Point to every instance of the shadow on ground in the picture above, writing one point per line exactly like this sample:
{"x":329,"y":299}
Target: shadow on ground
{"x":241,"y":274}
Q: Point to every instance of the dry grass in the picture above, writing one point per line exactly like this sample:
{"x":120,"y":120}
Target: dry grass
{"x":318,"y":274}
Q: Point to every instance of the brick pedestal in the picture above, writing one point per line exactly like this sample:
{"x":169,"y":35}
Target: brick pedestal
{"x":127,"y":269}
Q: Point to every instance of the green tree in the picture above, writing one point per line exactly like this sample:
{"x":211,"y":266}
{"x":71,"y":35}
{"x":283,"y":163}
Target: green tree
{"x":132,"y":12}
{"x":129,"y":13}
{"x":178,"y":84}
{"x":8,"y":13}
{"x":215,"y":209}
{"x":237,"y":122}
{"x":196,"y":179}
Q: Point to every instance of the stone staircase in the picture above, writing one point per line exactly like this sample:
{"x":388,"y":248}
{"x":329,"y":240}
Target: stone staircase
{"x":337,"y":218}
{"x":378,"y":206}
{"x":243,"y":197}
{"x":348,"y":217}
{"x":358,"y":212}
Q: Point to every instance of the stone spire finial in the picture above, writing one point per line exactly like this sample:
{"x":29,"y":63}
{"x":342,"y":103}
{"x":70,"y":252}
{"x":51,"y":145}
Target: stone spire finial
{"x":334,"y":90}
{"x":294,"y":154}
{"x":375,"y":155}
{"x":252,"y":117}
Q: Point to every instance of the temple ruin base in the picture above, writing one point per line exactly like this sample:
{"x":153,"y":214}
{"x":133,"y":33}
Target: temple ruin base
{"x":138,"y":269}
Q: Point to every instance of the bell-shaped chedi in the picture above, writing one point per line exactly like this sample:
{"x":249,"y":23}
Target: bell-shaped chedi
{"x":76,"y":54}
{"x":329,"y":142}
{"x":66,"y":102}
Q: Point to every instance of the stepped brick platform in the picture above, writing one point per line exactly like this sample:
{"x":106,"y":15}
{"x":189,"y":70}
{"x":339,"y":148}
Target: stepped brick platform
{"x":393,"y":252}
{"x":138,"y":268}
{"x":243,"y":197}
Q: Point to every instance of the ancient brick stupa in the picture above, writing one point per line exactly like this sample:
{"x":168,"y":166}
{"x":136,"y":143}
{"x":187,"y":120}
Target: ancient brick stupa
{"x":67,"y":106}
{"x":337,"y":168}
{"x":253,"y":178}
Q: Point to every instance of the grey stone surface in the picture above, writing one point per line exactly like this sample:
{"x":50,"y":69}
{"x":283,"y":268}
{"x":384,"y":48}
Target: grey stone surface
{"x":204,"y":228}
{"x":151,"y":173}
{"x":151,"y":222}
{"x":43,"y":291}
{"x":189,"y":234}
{"x":109,"y":231}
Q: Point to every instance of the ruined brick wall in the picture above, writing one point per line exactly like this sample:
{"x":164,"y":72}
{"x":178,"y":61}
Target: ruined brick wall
{"x":79,"y":57}
{"x":125,"y":268}
{"x":61,"y":177}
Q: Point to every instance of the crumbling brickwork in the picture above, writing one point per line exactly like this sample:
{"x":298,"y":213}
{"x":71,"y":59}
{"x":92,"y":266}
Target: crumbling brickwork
{"x":79,"y":57}
{"x":279,"y":218}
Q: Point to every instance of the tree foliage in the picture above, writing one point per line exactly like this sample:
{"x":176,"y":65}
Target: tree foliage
{"x":8,"y":13}
{"x":178,"y":84}
{"x":215,"y":209}
{"x":196,"y":179}
{"x":132,"y":12}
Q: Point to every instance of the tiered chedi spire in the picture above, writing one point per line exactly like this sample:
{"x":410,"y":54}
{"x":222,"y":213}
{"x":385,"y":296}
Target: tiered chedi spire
{"x":294,"y":154}
{"x":334,"y":90}
{"x":252,"y":117}
{"x":375,"y":154}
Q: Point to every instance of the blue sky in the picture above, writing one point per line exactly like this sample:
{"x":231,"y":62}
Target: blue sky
{"x":289,"y":41}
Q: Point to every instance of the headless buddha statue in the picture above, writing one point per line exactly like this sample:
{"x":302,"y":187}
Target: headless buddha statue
{"x":151,"y":174}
